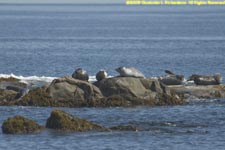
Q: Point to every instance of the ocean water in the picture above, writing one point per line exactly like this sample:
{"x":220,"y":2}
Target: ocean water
{"x":43,"y":41}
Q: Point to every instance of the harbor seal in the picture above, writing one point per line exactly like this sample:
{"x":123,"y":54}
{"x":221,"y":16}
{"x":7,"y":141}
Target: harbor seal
{"x":20,"y":91}
{"x":171,"y":78}
{"x":129,"y":72}
{"x":206,"y":79}
{"x":102,"y":74}
{"x":80,"y":74}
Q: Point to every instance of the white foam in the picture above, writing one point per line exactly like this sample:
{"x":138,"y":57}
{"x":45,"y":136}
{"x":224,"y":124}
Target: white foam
{"x":35,"y":81}
{"x":29,"y":78}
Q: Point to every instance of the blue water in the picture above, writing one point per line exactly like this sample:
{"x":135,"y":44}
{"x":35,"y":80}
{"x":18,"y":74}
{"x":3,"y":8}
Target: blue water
{"x":190,"y":127}
{"x":53,"y":40}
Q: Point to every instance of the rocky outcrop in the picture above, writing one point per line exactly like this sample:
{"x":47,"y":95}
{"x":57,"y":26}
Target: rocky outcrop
{"x":130,"y":91}
{"x":60,"y":120}
{"x":74,"y":92}
{"x":193,"y":91}
{"x":20,"y":125}
{"x":110,"y":92}
{"x":63,"y":92}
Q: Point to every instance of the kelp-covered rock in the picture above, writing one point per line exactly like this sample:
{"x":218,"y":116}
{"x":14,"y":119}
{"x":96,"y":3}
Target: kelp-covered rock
{"x":136,"y":91}
{"x":37,"y":97}
{"x":63,"y":121}
{"x":7,"y":97}
{"x":20,"y":125}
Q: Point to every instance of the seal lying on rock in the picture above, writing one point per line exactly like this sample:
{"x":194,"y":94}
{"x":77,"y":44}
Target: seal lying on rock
{"x":102,"y":74}
{"x":80,"y":74}
{"x":129,"y":72}
{"x":171,"y":78}
{"x":20,"y":91}
{"x":206,"y":79}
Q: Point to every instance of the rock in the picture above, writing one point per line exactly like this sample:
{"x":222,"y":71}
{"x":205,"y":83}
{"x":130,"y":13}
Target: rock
{"x":80,"y":74}
{"x":206,"y":79}
{"x":63,"y":92}
{"x":125,"y":128}
{"x":136,"y":91}
{"x":37,"y":97}
{"x":199,"y":92}
{"x":13,"y":82}
{"x":63,"y":121}
{"x":10,"y":90}
{"x":7,"y":97}
{"x":20,"y":125}
{"x":74,"y":92}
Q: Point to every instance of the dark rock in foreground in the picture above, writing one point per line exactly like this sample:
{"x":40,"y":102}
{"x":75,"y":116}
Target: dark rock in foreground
{"x":207,"y":92}
{"x":20,"y":125}
{"x":63,"y":121}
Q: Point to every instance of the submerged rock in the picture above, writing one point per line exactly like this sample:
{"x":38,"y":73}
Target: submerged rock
{"x":20,"y":125}
{"x":125,"y":128}
{"x":63,"y":121}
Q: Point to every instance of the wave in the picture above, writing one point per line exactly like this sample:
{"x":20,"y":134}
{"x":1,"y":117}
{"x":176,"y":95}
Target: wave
{"x":37,"y":81}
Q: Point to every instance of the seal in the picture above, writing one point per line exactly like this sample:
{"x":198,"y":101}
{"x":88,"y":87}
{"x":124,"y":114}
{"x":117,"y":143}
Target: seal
{"x":215,"y":79}
{"x":171,"y":78}
{"x":102,"y":74}
{"x":20,"y":91}
{"x":80,"y":74}
{"x":129,"y":72}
